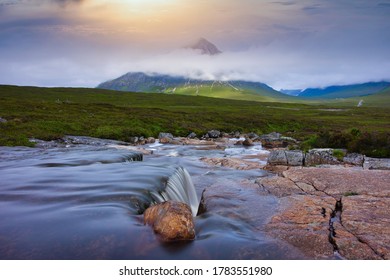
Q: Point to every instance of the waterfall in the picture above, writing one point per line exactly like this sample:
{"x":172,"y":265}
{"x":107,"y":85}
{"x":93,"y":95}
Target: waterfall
{"x":179,"y":187}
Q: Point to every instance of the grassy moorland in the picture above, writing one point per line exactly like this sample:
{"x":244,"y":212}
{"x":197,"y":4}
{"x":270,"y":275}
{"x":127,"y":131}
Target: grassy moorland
{"x":229,"y":92}
{"x":50,"y":113}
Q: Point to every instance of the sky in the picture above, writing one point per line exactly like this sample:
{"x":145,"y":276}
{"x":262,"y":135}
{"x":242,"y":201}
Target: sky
{"x":287,"y":44}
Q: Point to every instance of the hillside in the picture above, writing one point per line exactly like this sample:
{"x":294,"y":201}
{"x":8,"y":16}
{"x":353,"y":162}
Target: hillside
{"x":50,"y":113}
{"x":157,"y":83}
{"x":347,"y":91}
{"x":380,"y":99}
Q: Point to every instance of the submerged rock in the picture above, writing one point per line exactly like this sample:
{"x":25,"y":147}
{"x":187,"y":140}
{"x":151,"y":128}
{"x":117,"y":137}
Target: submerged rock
{"x":2,"y":120}
{"x":171,"y":220}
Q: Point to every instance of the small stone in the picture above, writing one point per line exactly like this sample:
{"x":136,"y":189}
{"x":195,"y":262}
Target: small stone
{"x":214,"y":134}
{"x":133,"y":140}
{"x":165,"y":135}
{"x":253,"y":136}
{"x":171,"y":220}
{"x":275,"y":140}
{"x":165,"y":140}
{"x":192,"y":135}
{"x":150,"y":140}
{"x":247,"y":142}
{"x":2,"y":120}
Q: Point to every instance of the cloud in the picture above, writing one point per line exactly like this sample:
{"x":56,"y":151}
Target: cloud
{"x":289,"y":44}
{"x":64,"y":3}
{"x":294,"y":70}
{"x":285,"y":3}
{"x":384,"y":5}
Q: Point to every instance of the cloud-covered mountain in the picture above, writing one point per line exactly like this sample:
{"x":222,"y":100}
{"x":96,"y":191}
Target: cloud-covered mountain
{"x":205,"y":47}
{"x":162,"y":83}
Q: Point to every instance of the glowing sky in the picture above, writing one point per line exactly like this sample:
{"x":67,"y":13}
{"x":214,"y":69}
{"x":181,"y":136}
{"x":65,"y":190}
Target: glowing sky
{"x":286,"y":44}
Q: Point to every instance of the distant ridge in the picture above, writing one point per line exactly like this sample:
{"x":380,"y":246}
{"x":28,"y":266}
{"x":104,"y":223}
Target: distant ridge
{"x":346,"y":91}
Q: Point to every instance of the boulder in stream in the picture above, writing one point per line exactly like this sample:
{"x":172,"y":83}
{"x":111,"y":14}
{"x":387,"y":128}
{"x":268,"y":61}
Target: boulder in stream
{"x":171,"y":220}
{"x":165,"y":138}
{"x":247,"y":142}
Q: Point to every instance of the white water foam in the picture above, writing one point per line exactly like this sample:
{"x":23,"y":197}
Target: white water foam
{"x":180,"y":188}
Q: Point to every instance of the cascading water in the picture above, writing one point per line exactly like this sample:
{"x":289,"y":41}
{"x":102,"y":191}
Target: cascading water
{"x":179,"y":187}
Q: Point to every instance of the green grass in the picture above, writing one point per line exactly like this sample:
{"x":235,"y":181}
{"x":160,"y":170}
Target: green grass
{"x":227,"y":92}
{"x":50,"y":113}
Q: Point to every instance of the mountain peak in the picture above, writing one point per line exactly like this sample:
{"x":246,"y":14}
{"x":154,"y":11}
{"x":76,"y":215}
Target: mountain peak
{"x":206,"y":47}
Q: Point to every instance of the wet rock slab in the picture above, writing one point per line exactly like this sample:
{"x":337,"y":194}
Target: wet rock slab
{"x":308,"y":198}
{"x":236,"y":163}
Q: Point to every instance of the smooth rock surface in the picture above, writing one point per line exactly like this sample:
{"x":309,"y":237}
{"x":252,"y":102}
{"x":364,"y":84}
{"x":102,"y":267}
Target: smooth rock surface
{"x":300,"y":222}
{"x":236,"y":163}
{"x":171,"y":220}
{"x":308,"y":196}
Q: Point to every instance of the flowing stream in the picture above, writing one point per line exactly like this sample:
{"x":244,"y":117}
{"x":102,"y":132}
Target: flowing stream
{"x":85,"y":201}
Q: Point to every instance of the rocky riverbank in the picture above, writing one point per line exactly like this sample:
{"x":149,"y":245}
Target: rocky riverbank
{"x":331,"y":204}
{"x":328,"y":203}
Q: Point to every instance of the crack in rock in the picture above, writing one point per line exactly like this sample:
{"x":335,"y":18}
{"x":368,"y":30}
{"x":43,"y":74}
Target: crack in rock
{"x":345,"y":243}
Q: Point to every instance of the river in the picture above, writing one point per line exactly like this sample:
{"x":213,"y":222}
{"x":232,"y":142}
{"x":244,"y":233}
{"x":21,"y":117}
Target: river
{"x":85,"y":201}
